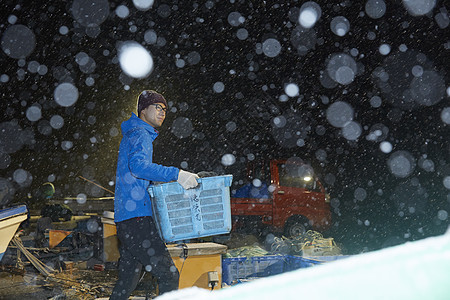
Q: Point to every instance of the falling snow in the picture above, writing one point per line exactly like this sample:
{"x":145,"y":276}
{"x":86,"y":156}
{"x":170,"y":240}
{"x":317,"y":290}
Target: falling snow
{"x":358,"y":90}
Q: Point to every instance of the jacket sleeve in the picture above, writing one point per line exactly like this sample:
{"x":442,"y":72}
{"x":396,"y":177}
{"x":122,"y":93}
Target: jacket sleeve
{"x":140,"y":159}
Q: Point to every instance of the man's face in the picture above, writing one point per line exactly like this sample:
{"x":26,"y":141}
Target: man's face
{"x":154,"y":114}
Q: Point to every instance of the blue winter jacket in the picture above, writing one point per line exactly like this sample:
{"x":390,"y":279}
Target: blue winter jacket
{"x":135,"y":170}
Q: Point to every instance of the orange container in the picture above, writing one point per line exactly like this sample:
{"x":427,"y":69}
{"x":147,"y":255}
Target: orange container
{"x":56,"y":236}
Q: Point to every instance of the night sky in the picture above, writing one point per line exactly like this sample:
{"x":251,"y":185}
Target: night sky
{"x":371,"y":114}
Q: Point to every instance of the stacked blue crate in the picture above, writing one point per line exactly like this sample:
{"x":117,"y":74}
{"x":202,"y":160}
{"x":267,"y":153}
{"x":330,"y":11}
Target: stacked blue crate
{"x":186,"y":214}
{"x":297,"y":262}
{"x":237,"y":268}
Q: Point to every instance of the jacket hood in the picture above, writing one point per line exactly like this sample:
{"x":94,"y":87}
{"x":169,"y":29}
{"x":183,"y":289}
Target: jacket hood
{"x":134,"y":122}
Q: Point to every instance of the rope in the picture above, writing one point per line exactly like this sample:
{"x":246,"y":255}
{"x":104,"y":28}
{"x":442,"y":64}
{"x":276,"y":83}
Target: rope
{"x":295,"y":245}
{"x":183,"y":255}
{"x":96,"y":184}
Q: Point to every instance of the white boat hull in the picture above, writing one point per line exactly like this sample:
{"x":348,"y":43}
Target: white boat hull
{"x":8,"y":227}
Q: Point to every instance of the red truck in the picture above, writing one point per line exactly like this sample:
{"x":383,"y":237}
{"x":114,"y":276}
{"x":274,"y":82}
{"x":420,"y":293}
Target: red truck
{"x":292,"y":202}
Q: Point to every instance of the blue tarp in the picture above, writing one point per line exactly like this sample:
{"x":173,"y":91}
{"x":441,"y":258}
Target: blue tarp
{"x":251,"y":191}
{"x":13,"y":211}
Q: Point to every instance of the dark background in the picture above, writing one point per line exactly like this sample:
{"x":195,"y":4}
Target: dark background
{"x":250,"y":100}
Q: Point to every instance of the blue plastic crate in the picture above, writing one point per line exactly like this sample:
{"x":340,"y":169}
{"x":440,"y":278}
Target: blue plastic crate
{"x":236,"y":268}
{"x":296,"y":262}
{"x":186,"y":214}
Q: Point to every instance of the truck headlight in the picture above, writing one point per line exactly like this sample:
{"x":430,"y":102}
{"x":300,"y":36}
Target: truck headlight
{"x":307,"y":178}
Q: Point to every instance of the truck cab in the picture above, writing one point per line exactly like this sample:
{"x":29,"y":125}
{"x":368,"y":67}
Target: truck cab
{"x":283,"y":195}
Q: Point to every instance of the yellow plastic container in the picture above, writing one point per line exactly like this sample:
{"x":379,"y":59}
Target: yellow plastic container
{"x":110,"y":241}
{"x":195,"y":260}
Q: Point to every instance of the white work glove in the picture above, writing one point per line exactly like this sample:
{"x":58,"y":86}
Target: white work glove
{"x":187,"y":180}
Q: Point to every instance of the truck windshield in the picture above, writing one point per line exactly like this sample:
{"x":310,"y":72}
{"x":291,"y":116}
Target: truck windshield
{"x":299,"y":176}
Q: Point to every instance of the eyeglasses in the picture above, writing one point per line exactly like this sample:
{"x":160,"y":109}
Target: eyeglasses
{"x":159,"y":108}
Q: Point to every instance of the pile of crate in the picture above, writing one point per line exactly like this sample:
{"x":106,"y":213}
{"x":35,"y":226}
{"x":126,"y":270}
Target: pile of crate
{"x":239,"y":269}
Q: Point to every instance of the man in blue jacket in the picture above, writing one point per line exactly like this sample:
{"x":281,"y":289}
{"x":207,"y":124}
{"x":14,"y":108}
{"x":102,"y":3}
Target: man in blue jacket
{"x":140,"y":244}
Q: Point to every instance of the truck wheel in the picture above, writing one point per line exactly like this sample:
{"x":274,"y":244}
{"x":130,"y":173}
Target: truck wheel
{"x":296,"y":227}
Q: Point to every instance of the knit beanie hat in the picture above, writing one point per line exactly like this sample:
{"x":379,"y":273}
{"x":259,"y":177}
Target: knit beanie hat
{"x":149,"y":97}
